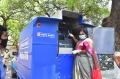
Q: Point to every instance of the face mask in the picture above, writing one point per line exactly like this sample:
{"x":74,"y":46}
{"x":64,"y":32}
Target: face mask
{"x":82,"y":36}
{"x":4,"y":43}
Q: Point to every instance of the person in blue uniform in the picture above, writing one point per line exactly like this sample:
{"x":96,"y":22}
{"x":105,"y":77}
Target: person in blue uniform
{"x":3,"y":44}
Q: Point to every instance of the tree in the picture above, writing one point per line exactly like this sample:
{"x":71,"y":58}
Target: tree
{"x":14,"y":31}
{"x":93,"y":10}
{"x":22,"y":11}
{"x":47,"y":7}
{"x":15,"y":15}
{"x":8,"y":8}
{"x":114,"y":21}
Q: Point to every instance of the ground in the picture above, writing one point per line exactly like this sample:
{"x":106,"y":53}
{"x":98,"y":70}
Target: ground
{"x":9,"y":72}
{"x":107,"y":74}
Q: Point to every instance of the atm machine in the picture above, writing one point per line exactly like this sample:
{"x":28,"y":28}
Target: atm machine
{"x":65,"y":58}
{"x":65,"y":42}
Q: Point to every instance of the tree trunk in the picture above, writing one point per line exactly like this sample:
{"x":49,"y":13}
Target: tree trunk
{"x":4,"y":22}
{"x":114,"y":21}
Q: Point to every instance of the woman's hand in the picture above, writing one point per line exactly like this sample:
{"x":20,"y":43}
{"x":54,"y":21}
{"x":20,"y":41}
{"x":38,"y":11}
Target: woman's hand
{"x":71,"y":35}
{"x":76,"y":51}
{"x":79,"y":51}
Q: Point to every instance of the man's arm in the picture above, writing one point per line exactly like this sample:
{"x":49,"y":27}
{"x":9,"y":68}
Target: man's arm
{"x":116,"y":60}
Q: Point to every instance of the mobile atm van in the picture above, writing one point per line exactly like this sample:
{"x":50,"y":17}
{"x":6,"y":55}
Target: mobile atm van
{"x":45,"y":48}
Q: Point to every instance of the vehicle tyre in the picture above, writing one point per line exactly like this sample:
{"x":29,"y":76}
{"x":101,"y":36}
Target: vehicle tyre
{"x":13,"y":73}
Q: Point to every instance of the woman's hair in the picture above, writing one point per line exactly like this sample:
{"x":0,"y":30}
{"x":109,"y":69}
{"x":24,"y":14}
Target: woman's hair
{"x":2,"y":28}
{"x":84,"y":30}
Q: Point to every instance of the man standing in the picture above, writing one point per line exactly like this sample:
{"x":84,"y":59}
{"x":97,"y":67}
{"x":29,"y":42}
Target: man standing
{"x":117,"y":65}
{"x":3,"y":44}
{"x":117,"y":59}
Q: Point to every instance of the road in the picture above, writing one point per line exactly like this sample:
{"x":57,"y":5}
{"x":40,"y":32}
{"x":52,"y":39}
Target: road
{"x":8,"y":74}
{"x":108,"y":74}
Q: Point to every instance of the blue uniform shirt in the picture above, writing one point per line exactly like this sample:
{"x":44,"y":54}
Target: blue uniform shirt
{"x":2,"y":70}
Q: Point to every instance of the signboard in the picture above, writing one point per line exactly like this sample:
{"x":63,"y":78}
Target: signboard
{"x":23,"y":56}
{"x":103,"y":38}
{"x":50,"y":35}
{"x":24,"y":45}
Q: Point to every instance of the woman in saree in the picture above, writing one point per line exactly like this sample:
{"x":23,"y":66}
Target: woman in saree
{"x":85,"y":63}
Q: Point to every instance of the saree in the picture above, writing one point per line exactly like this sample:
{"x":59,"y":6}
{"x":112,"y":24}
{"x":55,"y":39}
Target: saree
{"x":86,"y":66}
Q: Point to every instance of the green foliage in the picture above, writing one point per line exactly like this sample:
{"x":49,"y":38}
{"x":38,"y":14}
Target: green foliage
{"x":94,"y":10}
{"x":16,"y":14}
{"x":14,"y":31}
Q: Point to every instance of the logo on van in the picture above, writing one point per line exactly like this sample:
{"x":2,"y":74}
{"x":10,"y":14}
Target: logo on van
{"x":24,"y":44}
{"x":40,"y":34}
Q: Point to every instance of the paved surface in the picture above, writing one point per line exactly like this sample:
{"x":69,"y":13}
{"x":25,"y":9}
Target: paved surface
{"x":109,"y":74}
{"x":8,"y":74}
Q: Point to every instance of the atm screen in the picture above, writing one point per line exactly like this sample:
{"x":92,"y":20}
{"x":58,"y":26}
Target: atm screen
{"x":63,"y":31}
{"x":61,"y":37}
